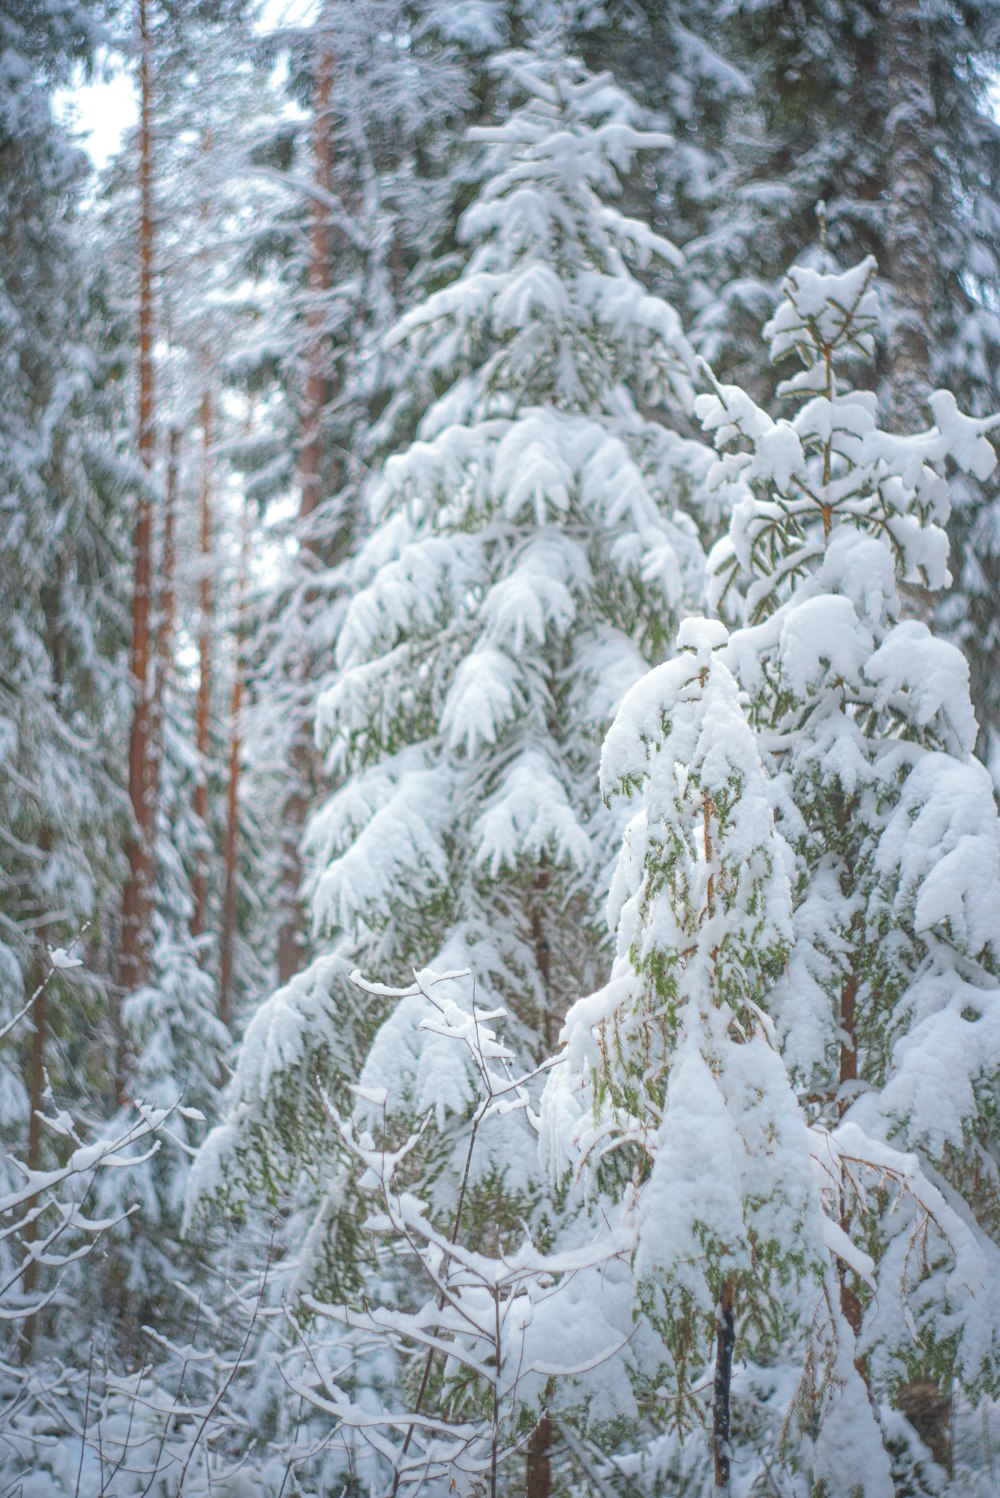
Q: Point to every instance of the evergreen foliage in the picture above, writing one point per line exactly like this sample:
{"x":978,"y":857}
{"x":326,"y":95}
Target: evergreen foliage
{"x":807,"y":161}
{"x":62,"y":696}
{"x":424,"y":471}
{"x":520,"y":568}
{"x":887,"y":1015}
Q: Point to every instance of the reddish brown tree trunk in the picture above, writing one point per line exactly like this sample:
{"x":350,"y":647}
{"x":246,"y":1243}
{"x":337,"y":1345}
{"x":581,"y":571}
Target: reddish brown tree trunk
{"x":228,"y":940}
{"x":310,"y":481}
{"x":848,"y":1041}
{"x":911,"y":168}
{"x":166,"y":612}
{"x":138,"y":893}
{"x":203,"y":720}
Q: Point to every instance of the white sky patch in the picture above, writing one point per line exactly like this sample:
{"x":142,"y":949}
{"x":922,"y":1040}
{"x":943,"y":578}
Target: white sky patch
{"x":102,"y":110}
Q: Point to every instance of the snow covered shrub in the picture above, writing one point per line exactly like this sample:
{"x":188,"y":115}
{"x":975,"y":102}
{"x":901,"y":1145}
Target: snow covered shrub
{"x":479,"y":1323}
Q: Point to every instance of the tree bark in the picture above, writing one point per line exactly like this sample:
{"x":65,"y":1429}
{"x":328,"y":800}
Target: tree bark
{"x":319,"y":279}
{"x":228,"y":938}
{"x":36,"y":1090}
{"x":310,"y":484}
{"x":539,"y":1475}
{"x":138,"y":892}
{"x":199,"y":884}
{"x":913,"y":271}
{"x":850,"y":1305}
{"x":165,"y":614}
{"x":929,"y":1410}
{"x":551,"y":1020}
{"x":725,"y":1342}
{"x":911,"y":168}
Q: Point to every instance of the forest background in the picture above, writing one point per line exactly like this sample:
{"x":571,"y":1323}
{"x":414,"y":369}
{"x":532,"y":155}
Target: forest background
{"x":400,"y":1093}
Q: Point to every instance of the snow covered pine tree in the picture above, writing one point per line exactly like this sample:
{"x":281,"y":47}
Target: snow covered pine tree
{"x":889,"y":1016}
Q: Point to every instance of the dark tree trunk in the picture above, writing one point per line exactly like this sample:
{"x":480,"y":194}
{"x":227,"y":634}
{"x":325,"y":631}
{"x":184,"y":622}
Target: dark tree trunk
{"x":291,"y":939}
{"x":849,"y":1302}
{"x":539,"y":1474}
{"x":310,"y":461}
{"x":929,"y":1411}
{"x":725,"y":1342}
{"x":913,"y":270}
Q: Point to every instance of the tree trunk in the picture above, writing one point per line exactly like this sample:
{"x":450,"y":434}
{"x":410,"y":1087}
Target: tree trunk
{"x":165,"y":614}
{"x":290,"y":934}
{"x":36,"y":1090}
{"x":228,"y":938}
{"x":203,"y":718}
{"x":913,"y":271}
{"x":138,"y":894}
{"x":929,"y":1411}
{"x":725,"y":1341}
{"x":539,"y":1475}
{"x":551,"y":1020}
{"x":911,"y":168}
{"x":849,"y":1302}
{"x":310,"y":483}
{"x":320,"y":275}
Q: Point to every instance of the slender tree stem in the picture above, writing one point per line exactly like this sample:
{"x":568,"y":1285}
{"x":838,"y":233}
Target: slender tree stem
{"x":310,"y":475}
{"x":204,"y":711}
{"x":725,"y":1341}
{"x":138,"y":893}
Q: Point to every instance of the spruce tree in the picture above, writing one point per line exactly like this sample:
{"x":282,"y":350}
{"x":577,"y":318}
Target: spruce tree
{"x":531,"y":552}
{"x":531,"y":549}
